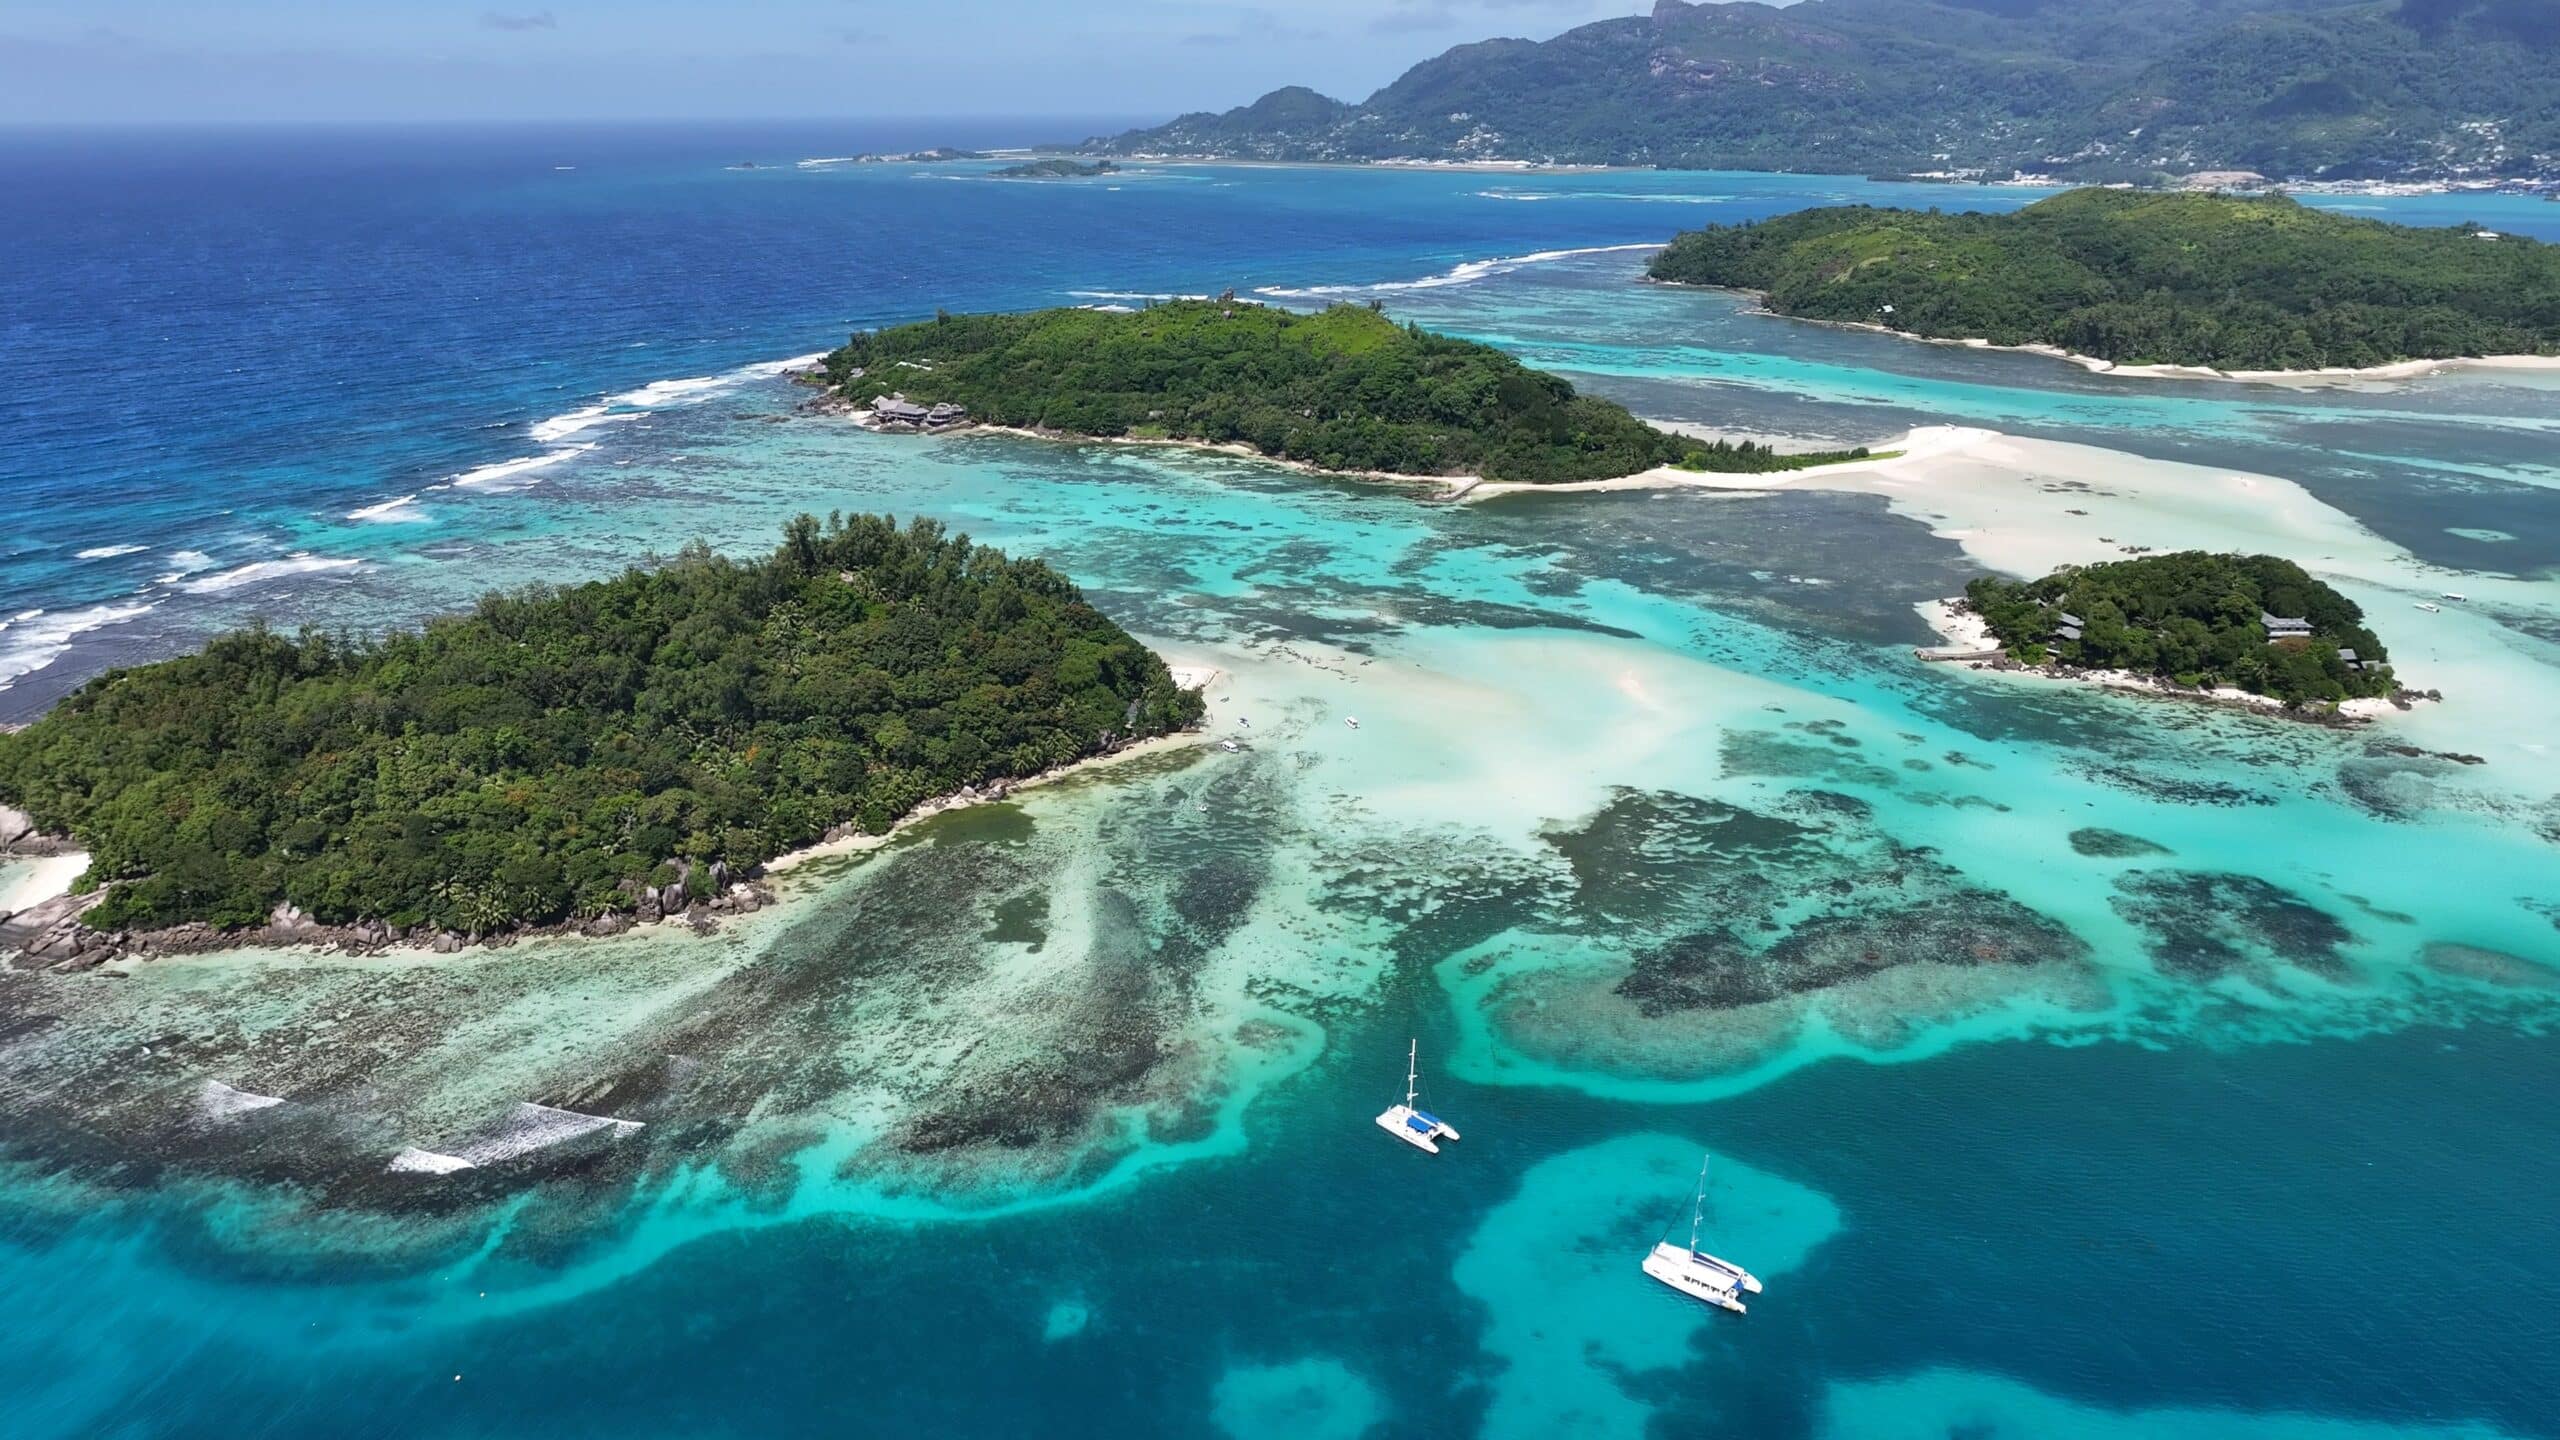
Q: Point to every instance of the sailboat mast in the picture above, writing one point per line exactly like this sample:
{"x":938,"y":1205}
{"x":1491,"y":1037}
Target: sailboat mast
{"x":1698,"y":1206}
{"x":1412,"y":1070}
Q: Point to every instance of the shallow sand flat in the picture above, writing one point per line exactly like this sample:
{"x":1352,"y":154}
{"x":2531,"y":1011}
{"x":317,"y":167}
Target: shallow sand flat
{"x":2009,"y":501}
{"x":1552,"y":1262}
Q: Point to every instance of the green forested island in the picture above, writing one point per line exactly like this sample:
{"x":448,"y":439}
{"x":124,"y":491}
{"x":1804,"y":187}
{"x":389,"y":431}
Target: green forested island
{"x":551,"y":753}
{"x":2252,"y":621}
{"x":1343,"y":389}
{"x":2138,"y":278}
{"x":1059,"y":169}
{"x":2131,"y":89}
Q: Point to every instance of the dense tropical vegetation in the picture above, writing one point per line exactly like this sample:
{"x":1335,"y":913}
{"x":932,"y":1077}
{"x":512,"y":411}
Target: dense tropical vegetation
{"x":1342,"y":389}
{"x":2231,"y":282}
{"x":2194,"y":618}
{"x":547,"y":755}
{"x":2289,"y":88}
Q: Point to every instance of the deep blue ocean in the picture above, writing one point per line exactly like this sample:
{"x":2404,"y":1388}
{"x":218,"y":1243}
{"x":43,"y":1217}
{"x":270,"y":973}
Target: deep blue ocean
{"x":352,"y":378}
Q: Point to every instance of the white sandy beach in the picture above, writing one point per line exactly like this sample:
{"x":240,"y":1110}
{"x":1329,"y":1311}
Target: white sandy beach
{"x":2330,"y":375}
{"x":31,"y":881}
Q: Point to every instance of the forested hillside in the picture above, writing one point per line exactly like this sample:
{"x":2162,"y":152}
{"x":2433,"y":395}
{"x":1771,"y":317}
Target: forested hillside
{"x":2229,"y":282}
{"x":2290,"y":88}
{"x":547,"y":755}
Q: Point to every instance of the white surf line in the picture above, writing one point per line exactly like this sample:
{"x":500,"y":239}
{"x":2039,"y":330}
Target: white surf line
{"x":559,"y":431}
{"x":389,"y":511}
{"x":1466,"y":272}
{"x":259,"y":572}
{"x":34,"y":639}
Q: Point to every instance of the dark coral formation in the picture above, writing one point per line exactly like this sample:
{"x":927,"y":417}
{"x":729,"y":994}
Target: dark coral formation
{"x":1735,"y":907}
{"x":2108,"y":844}
{"x":2203,"y":925}
{"x":1965,"y":927}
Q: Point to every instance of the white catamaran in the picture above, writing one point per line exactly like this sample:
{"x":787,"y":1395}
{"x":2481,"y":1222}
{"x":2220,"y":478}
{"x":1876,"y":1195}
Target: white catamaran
{"x":1693,"y":1271}
{"x":1418,"y":1128}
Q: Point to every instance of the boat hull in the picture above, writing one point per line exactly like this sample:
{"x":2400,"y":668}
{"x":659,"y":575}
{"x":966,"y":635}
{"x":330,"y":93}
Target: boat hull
{"x":1716,"y":1283}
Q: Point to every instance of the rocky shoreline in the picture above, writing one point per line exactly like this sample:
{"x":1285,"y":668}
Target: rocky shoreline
{"x":19,"y":836}
{"x":52,"y":936}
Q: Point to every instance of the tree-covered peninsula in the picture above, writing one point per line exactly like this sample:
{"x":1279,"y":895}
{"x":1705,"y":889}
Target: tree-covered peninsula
{"x":2256,"y":622}
{"x":2224,"y":281}
{"x":553,"y":752}
{"x":1343,"y":389}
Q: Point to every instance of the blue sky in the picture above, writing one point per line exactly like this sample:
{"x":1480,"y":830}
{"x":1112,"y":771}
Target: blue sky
{"x":239,"y":61}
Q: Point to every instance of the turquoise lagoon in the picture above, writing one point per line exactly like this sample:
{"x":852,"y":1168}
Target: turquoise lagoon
{"x":2073,"y":1063}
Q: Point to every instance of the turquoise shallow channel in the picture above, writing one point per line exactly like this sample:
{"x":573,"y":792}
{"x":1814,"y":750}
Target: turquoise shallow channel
{"x":2074,"y":1063}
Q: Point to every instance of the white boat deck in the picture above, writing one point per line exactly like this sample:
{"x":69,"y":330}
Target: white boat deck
{"x":1700,"y":1277}
{"x":1421,"y":1130}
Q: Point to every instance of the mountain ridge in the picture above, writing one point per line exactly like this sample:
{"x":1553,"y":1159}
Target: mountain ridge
{"x":2293,"y":89}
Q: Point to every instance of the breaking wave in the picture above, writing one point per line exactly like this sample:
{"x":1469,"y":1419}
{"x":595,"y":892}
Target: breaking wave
{"x":34,"y":639}
{"x":184,"y":563}
{"x":260,"y":572}
{"x":661,"y":394}
{"x":505,"y":470}
{"x":390,"y":512}
{"x":1625,"y":196}
{"x":1465,"y":273}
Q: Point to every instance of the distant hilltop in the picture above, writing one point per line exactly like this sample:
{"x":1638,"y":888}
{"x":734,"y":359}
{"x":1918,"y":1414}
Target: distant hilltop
{"x":2134,"y":89}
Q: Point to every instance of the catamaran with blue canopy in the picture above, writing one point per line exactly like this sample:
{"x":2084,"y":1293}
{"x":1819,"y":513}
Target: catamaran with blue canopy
{"x":1419,"y":1128}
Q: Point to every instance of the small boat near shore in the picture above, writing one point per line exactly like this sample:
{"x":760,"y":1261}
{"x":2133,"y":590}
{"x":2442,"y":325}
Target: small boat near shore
{"x":1418,"y":1128}
{"x":1695,"y":1273}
